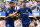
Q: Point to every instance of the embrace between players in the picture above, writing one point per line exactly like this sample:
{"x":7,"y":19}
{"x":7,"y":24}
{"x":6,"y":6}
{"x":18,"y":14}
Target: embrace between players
{"x":24,"y":13}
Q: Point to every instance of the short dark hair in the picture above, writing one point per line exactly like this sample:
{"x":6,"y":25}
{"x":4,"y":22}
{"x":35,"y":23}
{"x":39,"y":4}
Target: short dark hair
{"x":24,"y":2}
{"x":11,"y":2}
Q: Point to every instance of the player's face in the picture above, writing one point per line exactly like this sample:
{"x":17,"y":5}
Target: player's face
{"x":24,"y":5}
{"x":12,"y":6}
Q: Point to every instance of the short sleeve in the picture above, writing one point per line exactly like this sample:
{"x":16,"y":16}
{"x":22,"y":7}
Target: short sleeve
{"x":14,"y":10}
{"x":18,"y":11}
{"x":30,"y":11}
{"x":6,"y":14}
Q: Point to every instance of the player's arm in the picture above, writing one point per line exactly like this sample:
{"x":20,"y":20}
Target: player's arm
{"x":32,"y":13}
{"x":11,"y":15}
{"x":15,"y":13}
{"x":34,"y":16}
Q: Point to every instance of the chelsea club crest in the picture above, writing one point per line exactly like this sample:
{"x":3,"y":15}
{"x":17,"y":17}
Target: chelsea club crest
{"x":7,"y":11}
{"x":26,"y":10}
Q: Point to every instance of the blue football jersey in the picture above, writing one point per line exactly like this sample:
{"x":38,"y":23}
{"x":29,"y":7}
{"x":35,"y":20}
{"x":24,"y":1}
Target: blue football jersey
{"x":7,"y":12}
{"x":24,"y":14}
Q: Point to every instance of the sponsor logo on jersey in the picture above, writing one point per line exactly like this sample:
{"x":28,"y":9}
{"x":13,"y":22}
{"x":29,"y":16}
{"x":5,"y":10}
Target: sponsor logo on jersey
{"x":7,"y":11}
{"x":26,"y":10}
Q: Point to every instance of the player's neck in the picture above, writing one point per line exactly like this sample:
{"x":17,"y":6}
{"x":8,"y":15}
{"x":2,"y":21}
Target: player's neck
{"x":10,"y":8}
{"x":24,"y":8}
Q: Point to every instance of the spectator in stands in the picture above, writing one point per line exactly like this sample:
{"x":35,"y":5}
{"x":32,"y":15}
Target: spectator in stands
{"x":17,"y":6}
{"x":38,"y":3}
{"x":0,"y":9}
{"x":39,"y":8}
{"x":37,"y":22}
{"x":34,"y":23}
{"x":30,"y":2}
{"x":3,"y":8}
{"x":35,"y":9}
{"x":27,"y":4}
{"x":35,"y":3}
{"x":38,"y":25}
{"x":1,"y":23}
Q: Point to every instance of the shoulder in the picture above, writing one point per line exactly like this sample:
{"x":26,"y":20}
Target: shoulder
{"x":20,"y":8}
{"x":13,"y":9}
{"x":27,"y":7}
{"x":6,"y":9}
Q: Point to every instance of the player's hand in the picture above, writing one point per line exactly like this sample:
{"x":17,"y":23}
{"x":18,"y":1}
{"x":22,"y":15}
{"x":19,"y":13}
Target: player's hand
{"x":16,"y":14}
{"x":6,"y":17}
{"x":35,"y":18}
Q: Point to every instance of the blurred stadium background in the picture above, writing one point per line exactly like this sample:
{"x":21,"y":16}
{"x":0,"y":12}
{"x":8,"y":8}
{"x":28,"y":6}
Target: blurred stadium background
{"x":33,"y":4}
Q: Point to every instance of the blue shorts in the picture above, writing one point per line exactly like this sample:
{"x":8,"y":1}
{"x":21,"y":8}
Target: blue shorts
{"x":9,"y":25}
{"x":26,"y":24}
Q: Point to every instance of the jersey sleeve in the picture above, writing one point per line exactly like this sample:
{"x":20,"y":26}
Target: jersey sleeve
{"x":6,"y":14}
{"x":14,"y":10}
{"x":30,"y":11}
{"x":18,"y":11}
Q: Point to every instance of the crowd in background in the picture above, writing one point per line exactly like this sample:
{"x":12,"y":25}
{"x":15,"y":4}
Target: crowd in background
{"x":33,"y":5}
